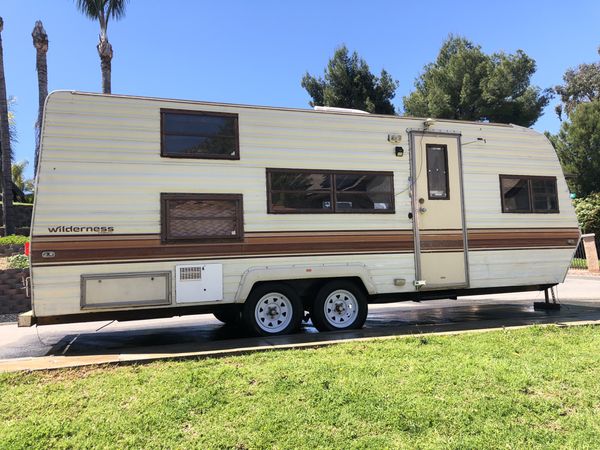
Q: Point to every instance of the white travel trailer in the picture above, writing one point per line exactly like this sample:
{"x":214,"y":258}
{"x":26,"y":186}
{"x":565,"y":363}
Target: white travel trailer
{"x":149,"y":207}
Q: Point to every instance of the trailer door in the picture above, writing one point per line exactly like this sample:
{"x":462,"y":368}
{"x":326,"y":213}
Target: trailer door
{"x":438,"y":211}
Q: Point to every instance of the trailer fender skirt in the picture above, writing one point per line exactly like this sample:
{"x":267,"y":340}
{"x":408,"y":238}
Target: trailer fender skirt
{"x":305,"y":271}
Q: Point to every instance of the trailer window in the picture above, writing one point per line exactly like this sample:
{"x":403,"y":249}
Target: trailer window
{"x":437,"y":172}
{"x":201,"y":217}
{"x":528,"y":194}
{"x":312,"y":191}
{"x":199,"y":134}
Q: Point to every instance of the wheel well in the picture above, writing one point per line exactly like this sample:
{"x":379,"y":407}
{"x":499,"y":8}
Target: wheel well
{"x":307,"y":288}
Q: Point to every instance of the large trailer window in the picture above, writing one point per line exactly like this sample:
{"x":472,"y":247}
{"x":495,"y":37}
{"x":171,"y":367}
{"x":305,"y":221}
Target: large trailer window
{"x":199,"y":134}
{"x":201,"y":217}
{"x":528,"y":194}
{"x":319,"y":191}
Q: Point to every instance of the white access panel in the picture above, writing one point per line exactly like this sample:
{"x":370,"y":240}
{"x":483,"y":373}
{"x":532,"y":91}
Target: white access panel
{"x":198,"y":283}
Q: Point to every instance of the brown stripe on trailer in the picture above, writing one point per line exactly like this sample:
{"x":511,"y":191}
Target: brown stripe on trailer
{"x":523,"y":238}
{"x":69,"y":249}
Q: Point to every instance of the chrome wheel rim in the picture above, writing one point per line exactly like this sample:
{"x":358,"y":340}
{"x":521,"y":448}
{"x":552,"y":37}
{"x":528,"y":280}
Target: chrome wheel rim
{"x":273,"y":312}
{"x":341,"y":308}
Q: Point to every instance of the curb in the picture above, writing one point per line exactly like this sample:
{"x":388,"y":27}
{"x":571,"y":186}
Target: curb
{"x":69,"y":362}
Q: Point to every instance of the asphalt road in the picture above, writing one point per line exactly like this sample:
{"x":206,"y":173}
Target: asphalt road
{"x":579,"y":296}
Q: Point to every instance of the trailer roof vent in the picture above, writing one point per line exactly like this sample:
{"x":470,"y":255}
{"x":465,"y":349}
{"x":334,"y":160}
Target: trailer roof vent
{"x":342,"y":110}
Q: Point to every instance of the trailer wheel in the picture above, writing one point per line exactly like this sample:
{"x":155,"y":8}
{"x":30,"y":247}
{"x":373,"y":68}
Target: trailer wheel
{"x":272,"y":309}
{"x":228,"y":316}
{"x":339,"y":305}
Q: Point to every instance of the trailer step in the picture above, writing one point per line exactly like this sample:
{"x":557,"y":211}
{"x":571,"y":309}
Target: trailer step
{"x":27,"y":319}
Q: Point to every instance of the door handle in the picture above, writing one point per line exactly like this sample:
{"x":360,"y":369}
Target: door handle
{"x":422,"y":209}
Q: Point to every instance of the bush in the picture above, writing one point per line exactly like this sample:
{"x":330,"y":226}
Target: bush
{"x":588,"y":213}
{"x":13,"y":239}
{"x":18,"y":262}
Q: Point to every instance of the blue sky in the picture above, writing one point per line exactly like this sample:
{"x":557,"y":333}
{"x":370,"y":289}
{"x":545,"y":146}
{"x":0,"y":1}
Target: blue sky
{"x":256,"y":52}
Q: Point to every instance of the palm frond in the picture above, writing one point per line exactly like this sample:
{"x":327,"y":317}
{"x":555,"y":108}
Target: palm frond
{"x":12,"y":126}
{"x":94,"y":9}
{"x":90,"y":8}
{"x":116,"y":9}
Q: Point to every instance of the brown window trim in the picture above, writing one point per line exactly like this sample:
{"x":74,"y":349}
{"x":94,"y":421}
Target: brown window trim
{"x":332,"y":191}
{"x":530,"y":192}
{"x":445,"y":147}
{"x":163,"y":152}
{"x":164,"y":217}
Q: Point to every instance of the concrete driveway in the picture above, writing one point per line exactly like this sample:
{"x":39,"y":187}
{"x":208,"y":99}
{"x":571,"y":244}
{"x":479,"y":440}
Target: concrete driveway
{"x":579,"y":296}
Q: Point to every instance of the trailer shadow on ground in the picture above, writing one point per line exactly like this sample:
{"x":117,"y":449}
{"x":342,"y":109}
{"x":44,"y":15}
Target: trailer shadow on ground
{"x":203,"y":333}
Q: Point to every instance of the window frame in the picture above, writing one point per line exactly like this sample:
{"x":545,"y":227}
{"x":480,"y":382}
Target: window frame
{"x":529,"y":179}
{"x":332,"y":191}
{"x":165,"y":197}
{"x":445,"y":148}
{"x":163,"y":150}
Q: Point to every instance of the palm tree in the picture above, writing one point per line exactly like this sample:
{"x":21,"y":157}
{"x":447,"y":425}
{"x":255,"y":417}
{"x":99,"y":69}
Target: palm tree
{"x":102,"y":11}
{"x":18,"y":176}
{"x":40,"y":42}
{"x":6,"y":182}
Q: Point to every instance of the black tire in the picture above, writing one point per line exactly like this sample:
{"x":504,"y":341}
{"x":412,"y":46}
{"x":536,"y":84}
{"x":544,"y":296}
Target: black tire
{"x":229,"y":316}
{"x":344,"y":318}
{"x":286,"y":306}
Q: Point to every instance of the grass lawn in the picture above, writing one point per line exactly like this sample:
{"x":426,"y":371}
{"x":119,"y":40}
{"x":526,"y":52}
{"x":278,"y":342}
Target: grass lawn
{"x":535,"y":387}
{"x":579,"y":263}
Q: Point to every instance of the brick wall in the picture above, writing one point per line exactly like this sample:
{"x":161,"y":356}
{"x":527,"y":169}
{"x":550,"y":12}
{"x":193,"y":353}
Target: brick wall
{"x":18,"y":231}
{"x":11,"y":250}
{"x":13,"y":299}
{"x":22,"y":215}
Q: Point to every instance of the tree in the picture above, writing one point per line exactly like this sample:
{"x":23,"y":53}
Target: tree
{"x":12,"y":126}
{"x":348,"y":83}
{"x":578,"y":147}
{"x":40,"y":42}
{"x":588,"y":214}
{"x":581,"y":85}
{"x":103,"y":11}
{"x":18,"y":176}
{"x":6,"y":176}
{"x":467,"y":84}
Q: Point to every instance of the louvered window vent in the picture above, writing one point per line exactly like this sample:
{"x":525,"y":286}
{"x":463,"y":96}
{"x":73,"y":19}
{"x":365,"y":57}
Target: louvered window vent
{"x":190,"y":273}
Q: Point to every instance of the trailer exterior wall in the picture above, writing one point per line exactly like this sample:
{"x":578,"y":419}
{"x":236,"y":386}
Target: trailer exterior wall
{"x":101,"y":167}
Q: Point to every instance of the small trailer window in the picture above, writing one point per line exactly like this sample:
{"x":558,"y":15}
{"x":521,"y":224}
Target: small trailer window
{"x":201,"y":217}
{"x":528,"y":194}
{"x":317,"y":191}
{"x":437,"y":172}
{"x":199,"y":134}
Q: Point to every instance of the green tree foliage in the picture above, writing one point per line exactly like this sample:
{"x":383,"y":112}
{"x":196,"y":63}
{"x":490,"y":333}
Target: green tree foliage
{"x":578,"y":147}
{"x":18,"y":176}
{"x":581,"y":85}
{"x":349,"y":83}
{"x":588,"y":214}
{"x":465,"y":83}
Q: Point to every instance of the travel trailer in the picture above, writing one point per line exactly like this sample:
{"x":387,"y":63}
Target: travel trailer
{"x":149,"y":207}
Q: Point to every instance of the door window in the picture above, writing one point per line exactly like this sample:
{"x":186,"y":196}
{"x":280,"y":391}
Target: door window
{"x":437,"y":172}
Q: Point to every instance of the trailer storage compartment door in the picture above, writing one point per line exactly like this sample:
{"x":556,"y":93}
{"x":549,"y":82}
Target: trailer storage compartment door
{"x":125,"y":290}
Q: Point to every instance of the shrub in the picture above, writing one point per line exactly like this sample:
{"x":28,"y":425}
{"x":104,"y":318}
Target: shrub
{"x":588,"y":215}
{"x":18,"y":262}
{"x":13,"y":239}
